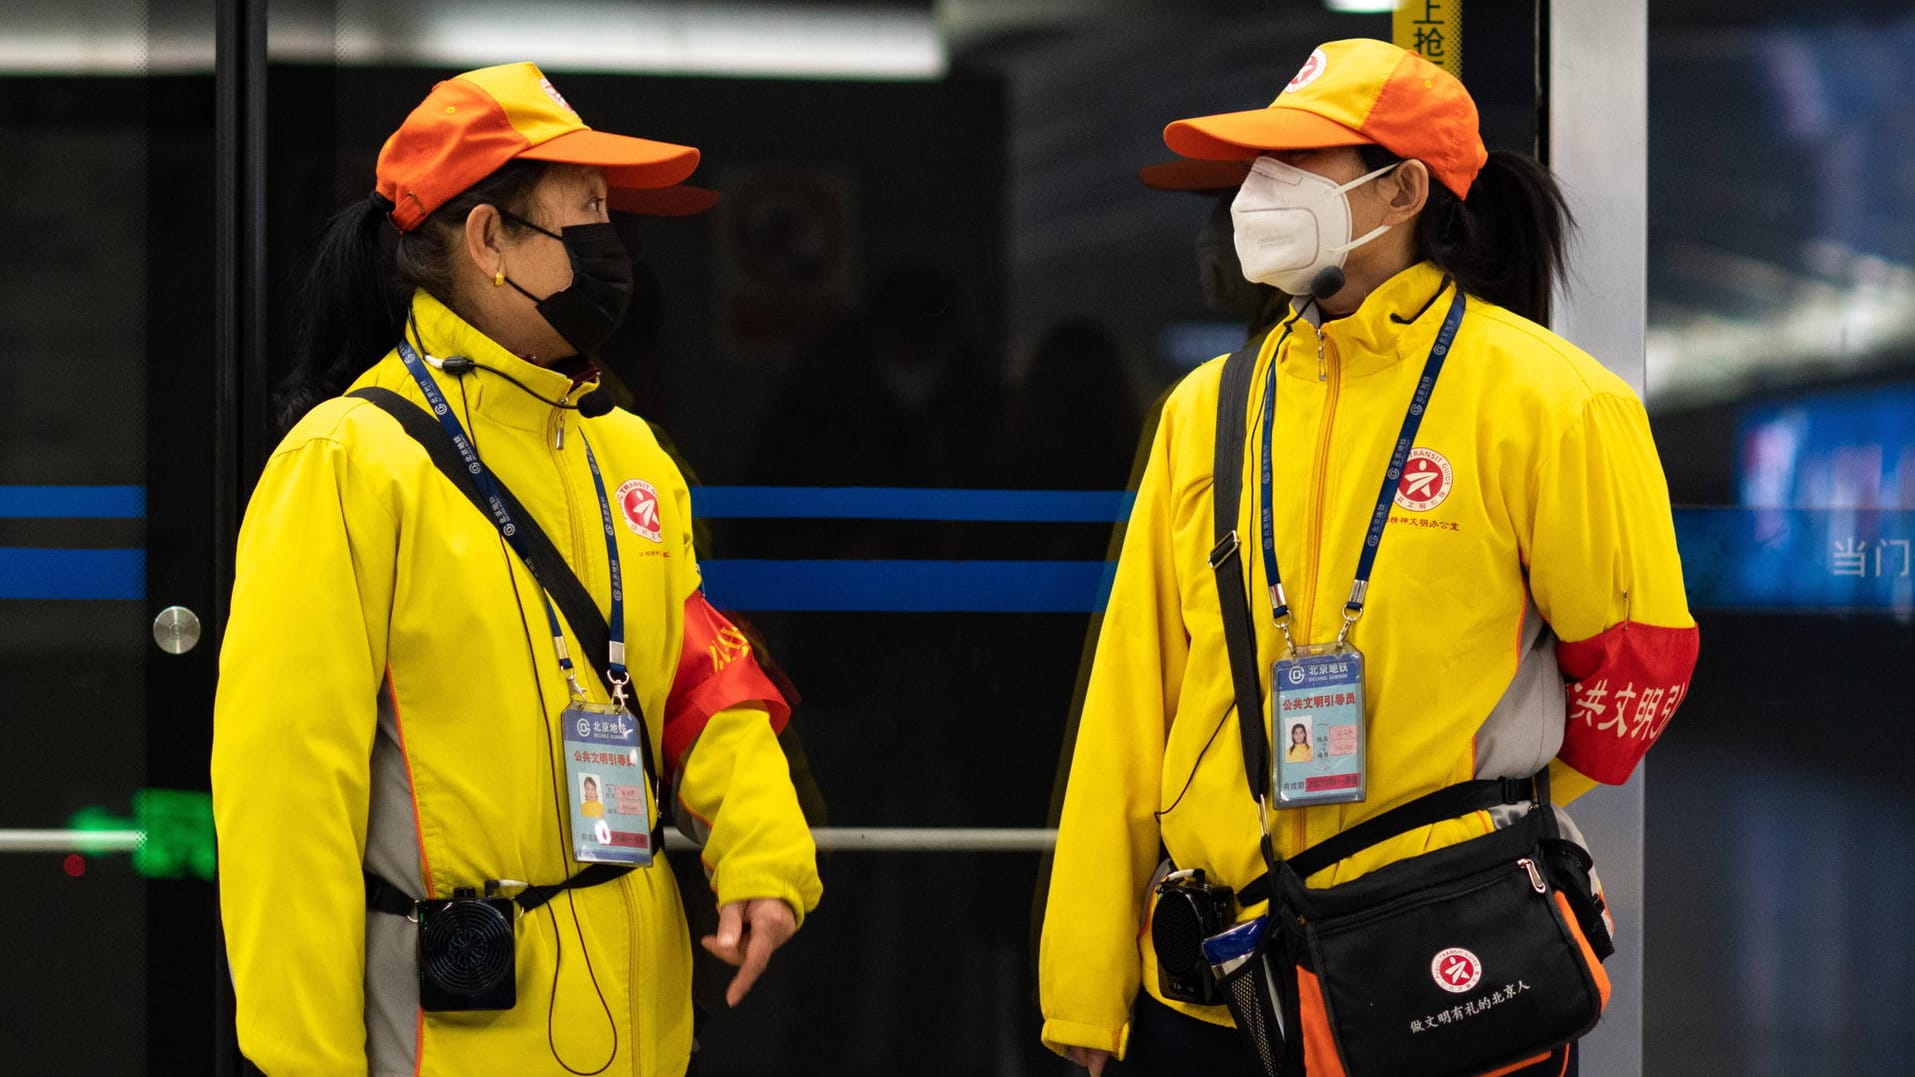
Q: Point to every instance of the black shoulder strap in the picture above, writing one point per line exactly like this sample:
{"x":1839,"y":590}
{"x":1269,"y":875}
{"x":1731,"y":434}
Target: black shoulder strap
{"x":1226,"y":562}
{"x":1430,"y":808}
{"x":573,"y":600}
{"x":590,"y":875}
{"x":383,"y":896}
{"x":560,"y":582}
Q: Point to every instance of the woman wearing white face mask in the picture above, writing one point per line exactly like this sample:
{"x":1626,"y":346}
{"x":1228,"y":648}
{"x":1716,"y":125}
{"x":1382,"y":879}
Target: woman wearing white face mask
{"x":1518,"y":604}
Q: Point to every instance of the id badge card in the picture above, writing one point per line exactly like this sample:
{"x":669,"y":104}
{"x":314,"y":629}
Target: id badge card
{"x":1319,"y":753}
{"x":608,"y":790}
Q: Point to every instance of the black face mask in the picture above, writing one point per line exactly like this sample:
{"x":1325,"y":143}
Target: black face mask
{"x":586,"y":312}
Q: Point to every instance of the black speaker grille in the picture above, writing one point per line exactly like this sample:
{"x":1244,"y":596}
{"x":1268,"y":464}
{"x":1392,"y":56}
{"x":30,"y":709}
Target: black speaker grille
{"x":468,"y":947}
{"x":1177,"y":934}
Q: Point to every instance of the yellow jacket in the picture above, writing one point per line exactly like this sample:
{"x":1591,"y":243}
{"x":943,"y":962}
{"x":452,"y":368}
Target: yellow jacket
{"x":388,"y":698}
{"x":1539,"y":515}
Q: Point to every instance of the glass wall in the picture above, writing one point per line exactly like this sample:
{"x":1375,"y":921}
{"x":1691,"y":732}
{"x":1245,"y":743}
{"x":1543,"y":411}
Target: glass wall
{"x":907,"y":361}
{"x":106,"y":318}
{"x":1782,"y":388}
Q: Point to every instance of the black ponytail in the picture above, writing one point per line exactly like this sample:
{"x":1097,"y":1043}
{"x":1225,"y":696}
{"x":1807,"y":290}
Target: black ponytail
{"x":353,"y":304}
{"x":1506,"y":242}
{"x":345,"y":311}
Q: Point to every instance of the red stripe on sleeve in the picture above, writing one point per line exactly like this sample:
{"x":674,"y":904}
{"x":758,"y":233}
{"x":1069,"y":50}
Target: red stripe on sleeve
{"x":1625,"y":683}
{"x":716,"y":670}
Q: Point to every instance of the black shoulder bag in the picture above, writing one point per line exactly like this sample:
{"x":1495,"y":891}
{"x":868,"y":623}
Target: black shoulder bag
{"x":1472,"y":960}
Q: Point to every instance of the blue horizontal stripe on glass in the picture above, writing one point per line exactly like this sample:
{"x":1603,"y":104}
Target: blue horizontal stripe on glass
{"x":1798,"y":559}
{"x":73,"y":502}
{"x":909,"y":586}
{"x":28,"y":572}
{"x":1749,"y":559}
{"x":908,"y":503}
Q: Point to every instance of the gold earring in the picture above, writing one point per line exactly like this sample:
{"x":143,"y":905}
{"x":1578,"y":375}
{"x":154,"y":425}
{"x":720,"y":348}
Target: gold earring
{"x":498,"y":279}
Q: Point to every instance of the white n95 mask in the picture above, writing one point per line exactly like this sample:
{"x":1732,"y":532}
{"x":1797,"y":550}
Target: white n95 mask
{"x":1291,"y":225}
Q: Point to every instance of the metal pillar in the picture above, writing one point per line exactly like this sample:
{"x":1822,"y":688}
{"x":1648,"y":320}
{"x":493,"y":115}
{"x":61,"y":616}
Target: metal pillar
{"x":1597,"y":79}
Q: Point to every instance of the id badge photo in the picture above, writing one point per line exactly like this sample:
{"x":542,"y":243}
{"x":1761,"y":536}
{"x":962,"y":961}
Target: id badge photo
{"x":608,"y":790}
{"x":1319,"y":754}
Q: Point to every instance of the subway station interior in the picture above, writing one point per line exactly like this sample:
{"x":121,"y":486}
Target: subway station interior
{"x":907,"y":364}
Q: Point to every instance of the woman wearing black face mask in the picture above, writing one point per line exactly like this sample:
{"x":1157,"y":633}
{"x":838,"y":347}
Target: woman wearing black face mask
{"x":408,"y":710}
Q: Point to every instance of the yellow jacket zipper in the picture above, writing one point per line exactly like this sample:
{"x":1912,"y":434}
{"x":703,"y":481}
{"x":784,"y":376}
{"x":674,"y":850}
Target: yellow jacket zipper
{"x":628,"y":886}
{"x":581,"y":549}
{"x":1328,"y":373}
{"x":628,"y":896}
{"x":1319,"y":480}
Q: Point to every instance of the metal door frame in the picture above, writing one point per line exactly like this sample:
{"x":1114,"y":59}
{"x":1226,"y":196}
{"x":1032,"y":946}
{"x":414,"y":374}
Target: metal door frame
{"x":1597,"y":92}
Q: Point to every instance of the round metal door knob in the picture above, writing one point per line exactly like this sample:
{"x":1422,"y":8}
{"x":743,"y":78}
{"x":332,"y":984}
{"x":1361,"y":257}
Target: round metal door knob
{"x":176,"y":629}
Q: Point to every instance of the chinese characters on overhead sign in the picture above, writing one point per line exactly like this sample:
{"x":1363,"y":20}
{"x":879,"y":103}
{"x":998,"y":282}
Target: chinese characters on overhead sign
{"x":1802,"y":559}
{"x":1852,"y":557}
{"x":1432,"y":29}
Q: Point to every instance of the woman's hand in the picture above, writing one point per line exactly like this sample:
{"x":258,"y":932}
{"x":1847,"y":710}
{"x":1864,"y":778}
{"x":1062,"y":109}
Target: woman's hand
{"x":748,"y":931}
{"x":1091,"y":1059}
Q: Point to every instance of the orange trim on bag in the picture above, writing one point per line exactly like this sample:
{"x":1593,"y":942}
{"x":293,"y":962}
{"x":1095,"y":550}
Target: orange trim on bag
{"x":1320,"y":1057}
{"x":1525,"y":1064}
{"x":1589,"y":955}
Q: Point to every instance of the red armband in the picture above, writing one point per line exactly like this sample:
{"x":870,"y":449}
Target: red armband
{"x":1625,"y":683}
{"x":716,"y":670}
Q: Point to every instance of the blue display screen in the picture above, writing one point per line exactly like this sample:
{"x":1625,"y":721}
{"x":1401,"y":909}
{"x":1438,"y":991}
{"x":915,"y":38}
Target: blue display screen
{"x":1825,"y":516}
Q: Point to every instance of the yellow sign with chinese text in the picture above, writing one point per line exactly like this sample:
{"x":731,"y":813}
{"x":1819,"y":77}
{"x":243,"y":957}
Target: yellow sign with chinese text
{"x":1433,"y":29}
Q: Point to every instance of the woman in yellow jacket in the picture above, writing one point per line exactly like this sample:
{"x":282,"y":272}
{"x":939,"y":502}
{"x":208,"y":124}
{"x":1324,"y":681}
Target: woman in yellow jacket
{"x":1526,"y":607}
{"x":397,"y":702}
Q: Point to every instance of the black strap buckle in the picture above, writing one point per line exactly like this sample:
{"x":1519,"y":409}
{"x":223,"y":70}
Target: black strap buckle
{"x":1225,"y":549}
{"x":382,"y":896}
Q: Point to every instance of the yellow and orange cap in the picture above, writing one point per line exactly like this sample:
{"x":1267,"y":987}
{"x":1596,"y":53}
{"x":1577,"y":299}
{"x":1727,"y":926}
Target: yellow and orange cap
{"x":471,"y":124}
{"x":1352,"y":93}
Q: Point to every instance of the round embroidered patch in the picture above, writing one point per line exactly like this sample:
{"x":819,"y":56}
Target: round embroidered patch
{"x":1456,"y":970}
{"x":552,"y":92}
{"x":639,"y":503}
{"x":1311,"y":71}
{"x":1426,"y":481}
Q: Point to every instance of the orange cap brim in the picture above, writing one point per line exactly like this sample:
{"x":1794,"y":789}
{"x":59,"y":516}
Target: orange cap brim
{"x":682,"y":200}
{"x":628,"y":162}
{"x":1237,"y":135}
{"x":1193,"y":175}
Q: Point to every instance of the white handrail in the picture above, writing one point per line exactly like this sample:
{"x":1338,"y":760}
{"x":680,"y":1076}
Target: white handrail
{"x":932,"y":839}
{"x":70,"y":841}
{"x":832,"y":839}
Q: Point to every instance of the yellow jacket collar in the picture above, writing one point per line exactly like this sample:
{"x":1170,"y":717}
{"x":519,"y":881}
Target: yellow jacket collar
{"x":1396,"y":319}
{"x":445,"y":335}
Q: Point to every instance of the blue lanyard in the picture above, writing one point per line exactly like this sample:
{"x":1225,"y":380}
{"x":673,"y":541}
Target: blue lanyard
{"x":1366,"y":560}
{"x":502,"y":516}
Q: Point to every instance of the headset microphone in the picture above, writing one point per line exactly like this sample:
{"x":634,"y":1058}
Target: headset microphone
{"x":1328,"y":282}
{"x":590,"y":406}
